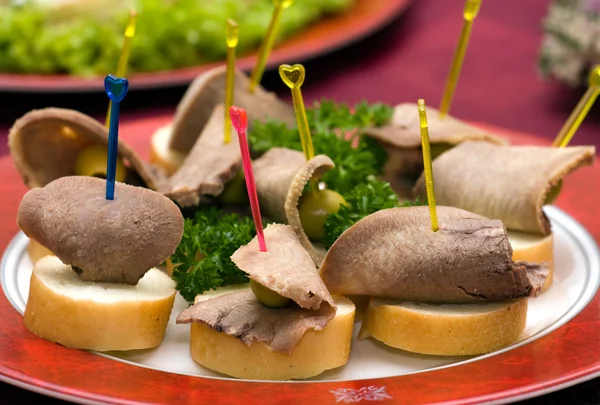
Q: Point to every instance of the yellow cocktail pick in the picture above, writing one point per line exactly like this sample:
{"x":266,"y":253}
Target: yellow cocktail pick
{"x":232,"y":41}
{"x":267,"y":44}
{"x":470,"y":12}
{"x":427,"y":164}
{"x":581,"y":109}
{"x":124,"y":55}
{"x":293,"y":77}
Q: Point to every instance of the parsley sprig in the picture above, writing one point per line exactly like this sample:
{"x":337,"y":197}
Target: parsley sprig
{"x":203,"y":255}
{"x":328,"y":115}
{"x":354,"y":155}
{"x":365,"y":199}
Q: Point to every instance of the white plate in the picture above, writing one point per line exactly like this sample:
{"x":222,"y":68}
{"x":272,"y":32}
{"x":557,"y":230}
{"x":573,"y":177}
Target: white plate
{"x":576,"y":279}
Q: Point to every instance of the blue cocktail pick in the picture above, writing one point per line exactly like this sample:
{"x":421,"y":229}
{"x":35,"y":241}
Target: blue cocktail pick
{"x":116,"y":89}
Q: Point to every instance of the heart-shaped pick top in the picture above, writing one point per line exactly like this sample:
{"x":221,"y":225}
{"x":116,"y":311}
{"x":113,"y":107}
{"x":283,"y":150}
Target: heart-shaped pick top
{"x":116,"y":87}
{"x":239,"y":118}
{"x":292,"y":76}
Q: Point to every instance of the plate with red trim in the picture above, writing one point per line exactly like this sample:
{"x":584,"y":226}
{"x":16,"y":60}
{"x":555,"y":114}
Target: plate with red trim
{"x":327,"y":35}
{"x":557,"y":348}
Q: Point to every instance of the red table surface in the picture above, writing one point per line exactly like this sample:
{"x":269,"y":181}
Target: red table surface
{"x":409,"y":60}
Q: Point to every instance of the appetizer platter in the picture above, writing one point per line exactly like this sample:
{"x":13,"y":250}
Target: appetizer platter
{"x":360,"y":19}
{"x":560,"y":358}
{"x":249,"y":248}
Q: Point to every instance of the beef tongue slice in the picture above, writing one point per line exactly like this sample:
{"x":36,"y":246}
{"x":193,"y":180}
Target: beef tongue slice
{"x":509,"y":183}
{"x":208,"y":168}
{"x":286,"y":267}
{"x":394,"y":253}
{"x":104,"y":240}
{"x":281,"y":175}
{"x":402,"y":140}
{"x":241,"y":315}
{"x":45,"y":145}
{"x":208,"y":90}
{"x":404,"y":131}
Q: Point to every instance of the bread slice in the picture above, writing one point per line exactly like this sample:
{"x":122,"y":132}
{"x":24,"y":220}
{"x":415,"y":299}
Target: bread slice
{"x":446,"y":329}
{"x":37,"y":251}
{"x":161,"y":155}
{"x":535,"y":249}
{"x":317,"y":351}
{"x":97,"y":316}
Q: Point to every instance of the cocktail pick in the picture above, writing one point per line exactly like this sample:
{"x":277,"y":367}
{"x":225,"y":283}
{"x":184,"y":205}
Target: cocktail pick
{"x":470,"y":12}
{"x":267,"y":44}
{"x":232,"y":41}
{"x":116,"y":89}
{"x":293,"y":77}
{"x":580,"y":111}
{"x":427,"y":164}
{"x":124,"y":55}
{"x":239,"y":118}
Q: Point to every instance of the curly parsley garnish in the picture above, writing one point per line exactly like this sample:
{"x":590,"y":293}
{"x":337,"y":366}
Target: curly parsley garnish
{"x":335,"y":131}
{"x":202,"y":258}
{"x":365,"y":199}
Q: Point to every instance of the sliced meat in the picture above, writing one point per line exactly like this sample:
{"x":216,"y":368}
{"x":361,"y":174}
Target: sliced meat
{"x":241,"y":315}
{"x":402,"y":169}
{"x":105,"y":240}
{"x":281,"y":175}
{"x":402,"y":140}
{"x":509,"y":183}
{"x":394,"y":253}
{"x":285,"y":267}
{"x":208,"y":90}
{"x":210,"y":165}
{"x":404,"y":130}
{"x":45,"y":145}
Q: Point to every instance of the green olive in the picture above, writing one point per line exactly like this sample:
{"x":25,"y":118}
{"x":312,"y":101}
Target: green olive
{"x":235,"y":191}
{"x":92,"y":162}
{"x":268,"y":298}
{"x":439,"y":148}
{"x":314,"y":208}
{"x":554,"y":192}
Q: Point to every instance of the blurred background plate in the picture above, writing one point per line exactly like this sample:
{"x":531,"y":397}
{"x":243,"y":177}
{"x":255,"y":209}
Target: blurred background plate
{"x":326,"y":35}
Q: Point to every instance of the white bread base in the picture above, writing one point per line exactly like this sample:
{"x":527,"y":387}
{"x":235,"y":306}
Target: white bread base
{"x":317,"y":351}
{"x":445,"y":330}
{"x":535,"y":249}
{"x":97,"y":316}
{"x":161,"y":155}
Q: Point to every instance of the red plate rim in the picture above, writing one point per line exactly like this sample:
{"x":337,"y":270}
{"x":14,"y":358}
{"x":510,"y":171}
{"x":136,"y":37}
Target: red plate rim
{"x":328,"y":35}
{"x":564,"y":357}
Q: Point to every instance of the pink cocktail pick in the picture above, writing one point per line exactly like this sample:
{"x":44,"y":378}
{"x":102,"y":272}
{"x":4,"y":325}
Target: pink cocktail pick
{"x":239,"y":119}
